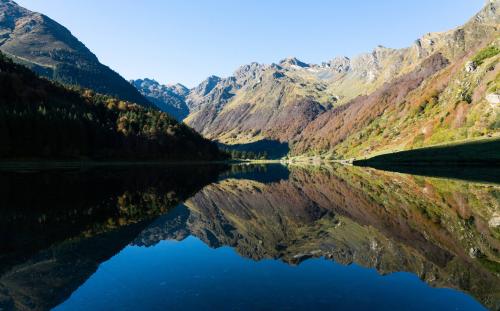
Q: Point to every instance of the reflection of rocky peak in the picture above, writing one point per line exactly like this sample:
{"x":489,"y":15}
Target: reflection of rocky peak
{"x":171,"y":226}
{"x":48,"y":279}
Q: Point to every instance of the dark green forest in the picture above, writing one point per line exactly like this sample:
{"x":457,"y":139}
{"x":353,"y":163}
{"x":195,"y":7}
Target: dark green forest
{"x":40,"y":119}
{"x":245,"y":155}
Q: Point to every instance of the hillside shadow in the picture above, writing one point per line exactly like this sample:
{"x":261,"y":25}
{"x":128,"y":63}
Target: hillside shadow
{"x":474,"y":161}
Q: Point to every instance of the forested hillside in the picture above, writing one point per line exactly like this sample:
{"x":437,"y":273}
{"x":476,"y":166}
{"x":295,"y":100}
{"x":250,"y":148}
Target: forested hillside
{"x":42,"y":119}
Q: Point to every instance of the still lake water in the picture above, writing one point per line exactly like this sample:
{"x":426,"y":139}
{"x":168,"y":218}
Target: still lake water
{"x":247,"y":237}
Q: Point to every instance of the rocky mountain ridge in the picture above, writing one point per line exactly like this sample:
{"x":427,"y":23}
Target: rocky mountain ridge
{"x":291,"y":101}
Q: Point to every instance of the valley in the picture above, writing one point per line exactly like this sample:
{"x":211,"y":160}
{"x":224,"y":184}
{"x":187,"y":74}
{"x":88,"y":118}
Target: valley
{"x":320,"y":182}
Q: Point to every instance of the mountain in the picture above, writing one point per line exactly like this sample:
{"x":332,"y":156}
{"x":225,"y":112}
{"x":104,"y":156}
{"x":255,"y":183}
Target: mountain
{"x":50,"y":49}
{"x":42,"y":119}
{"x":443,"y":88}
{"x":293,"y":62}
{"x":258,"y":102}
{"x":168,"y":98}
{"x":449,"y":96}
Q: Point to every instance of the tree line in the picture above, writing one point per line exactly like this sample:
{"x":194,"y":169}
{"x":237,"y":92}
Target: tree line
{"x":246,"y":155}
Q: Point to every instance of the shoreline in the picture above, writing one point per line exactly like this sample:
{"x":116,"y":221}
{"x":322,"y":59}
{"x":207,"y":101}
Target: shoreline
{"x":73,"y":164}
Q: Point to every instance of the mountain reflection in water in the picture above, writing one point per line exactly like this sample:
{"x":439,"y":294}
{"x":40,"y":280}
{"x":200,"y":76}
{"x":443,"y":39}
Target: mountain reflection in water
{"x":67,"y":235}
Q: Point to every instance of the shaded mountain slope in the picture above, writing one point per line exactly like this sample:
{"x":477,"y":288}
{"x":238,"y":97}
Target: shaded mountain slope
{"x":472,"y":153}
{"x":50,"y":49}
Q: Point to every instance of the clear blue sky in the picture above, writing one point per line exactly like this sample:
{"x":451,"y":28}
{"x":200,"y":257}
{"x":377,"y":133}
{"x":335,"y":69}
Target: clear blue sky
{"x":187,"y":40}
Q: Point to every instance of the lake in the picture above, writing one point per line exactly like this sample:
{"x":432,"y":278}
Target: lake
{"x":247,"y":237}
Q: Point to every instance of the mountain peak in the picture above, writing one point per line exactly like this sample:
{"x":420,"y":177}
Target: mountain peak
{"x":179,"y":86}
{"x":10,"y":12}
{"x":293,"y":61}
{"x":207,"y":85}
{"x":247,"y":72}
{"x":145,"y":83}
{"x":213,"y":78}
{"x":179,"y":89}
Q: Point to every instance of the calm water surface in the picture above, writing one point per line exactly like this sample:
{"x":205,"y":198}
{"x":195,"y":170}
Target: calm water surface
{"x":247,"y":237}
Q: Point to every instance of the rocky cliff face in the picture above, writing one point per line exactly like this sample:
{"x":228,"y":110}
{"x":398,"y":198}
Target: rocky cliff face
{"x":48,"y":48}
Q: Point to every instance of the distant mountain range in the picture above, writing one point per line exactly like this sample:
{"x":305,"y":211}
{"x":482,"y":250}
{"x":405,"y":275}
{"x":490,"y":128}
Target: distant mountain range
{"x":443,"y":88}
{"x":50,"y":49}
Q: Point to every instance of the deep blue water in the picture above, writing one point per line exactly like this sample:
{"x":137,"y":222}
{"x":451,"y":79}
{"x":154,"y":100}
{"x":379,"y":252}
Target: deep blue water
{"x":188,"y":275}
{"x":246,"y":237}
